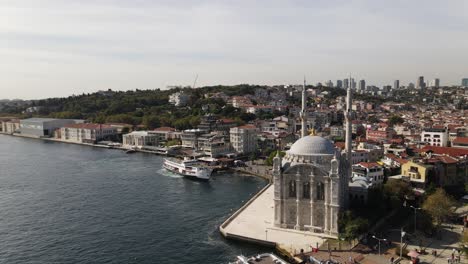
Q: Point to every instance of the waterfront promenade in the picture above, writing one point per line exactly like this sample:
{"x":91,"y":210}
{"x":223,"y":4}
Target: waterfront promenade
{"x":254,"y":223}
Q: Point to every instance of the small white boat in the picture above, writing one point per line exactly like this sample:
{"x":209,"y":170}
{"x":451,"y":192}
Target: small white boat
{"x":267,"y":258}
{"x":189,"y":168}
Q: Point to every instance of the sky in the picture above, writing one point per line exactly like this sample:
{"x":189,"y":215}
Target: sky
{"x":52,"y":48}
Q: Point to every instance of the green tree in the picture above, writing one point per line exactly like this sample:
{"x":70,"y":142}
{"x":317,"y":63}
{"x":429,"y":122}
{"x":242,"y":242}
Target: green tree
{"x":395,"y":119}
{"x":269,"y":160}
{"x":151,"y":121}
{"x":396,"y":191}
{"x":351,"y":226}
{"x":439,"y":205}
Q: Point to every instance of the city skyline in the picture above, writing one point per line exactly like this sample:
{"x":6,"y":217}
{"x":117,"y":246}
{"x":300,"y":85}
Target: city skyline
{"x":53,"y":49}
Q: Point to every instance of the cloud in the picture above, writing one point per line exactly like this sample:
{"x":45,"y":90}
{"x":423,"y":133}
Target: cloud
{"x":57,"y":48}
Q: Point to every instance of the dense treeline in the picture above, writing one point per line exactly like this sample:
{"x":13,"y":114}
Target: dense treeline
{"x":148,"y":108}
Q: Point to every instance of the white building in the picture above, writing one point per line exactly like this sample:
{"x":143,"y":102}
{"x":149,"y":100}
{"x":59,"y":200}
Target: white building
{"x":140,"y":139}
{"x":87,"y":133}
{"x":435,"y":136}
{"x":44,"y":127}
{"x":11,"y":126}
{"x":372,"y":171}
{"x":244,"y":138}
{"x":179,"y":99}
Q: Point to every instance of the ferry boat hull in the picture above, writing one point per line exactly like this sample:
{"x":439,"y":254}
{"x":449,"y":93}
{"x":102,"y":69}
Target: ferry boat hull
{"x":188,"y":170}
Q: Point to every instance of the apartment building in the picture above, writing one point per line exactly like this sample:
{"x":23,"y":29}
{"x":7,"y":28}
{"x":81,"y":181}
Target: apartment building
{"x":244,"y":139}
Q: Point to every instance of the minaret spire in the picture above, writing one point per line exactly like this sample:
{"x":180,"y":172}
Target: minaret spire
{"x":303,"y":111}
{"x":348,"y":117}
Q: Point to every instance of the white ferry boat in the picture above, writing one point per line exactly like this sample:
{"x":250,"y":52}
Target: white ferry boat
{"x":189,"y":168}
{"x":265,"y":258}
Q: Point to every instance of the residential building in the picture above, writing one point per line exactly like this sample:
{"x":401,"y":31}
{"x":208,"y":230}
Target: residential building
{"x":417,"y":172}
{"x":337,"y":131}
{"x":372,"y":171}
{"x":380,"y":134}
{"x":44,"y":127}
{"x":244,"y":139}
{"x":190,"y":137}
{"x":359,"y":156}
{"x":435,"y":136}
{"x":87,"y":133}
{"x":139,"y":139}
{"x":165,"y":134}
{"x":179,"y":99}
{"x":375,"y":152}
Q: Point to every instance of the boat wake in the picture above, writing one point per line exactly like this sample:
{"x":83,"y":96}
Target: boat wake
{"x":167,"y":173}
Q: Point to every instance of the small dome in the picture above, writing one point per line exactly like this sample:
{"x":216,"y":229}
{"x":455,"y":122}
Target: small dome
{"x":312,"y":145}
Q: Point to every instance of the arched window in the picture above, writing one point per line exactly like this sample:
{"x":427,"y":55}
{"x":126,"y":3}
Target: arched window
{"x":292,"y":188}
{"x":306,"y":190}
{"x":320,"y":191}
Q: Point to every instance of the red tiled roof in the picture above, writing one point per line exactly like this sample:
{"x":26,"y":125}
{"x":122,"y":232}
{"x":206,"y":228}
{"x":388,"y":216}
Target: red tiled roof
{"x":460,"y":140}
{"x":451,"y":151}
{"x":227,"y":120}
{"x":340,"y":145}
{"x":88,"y":126}
{"x":247,"y":127}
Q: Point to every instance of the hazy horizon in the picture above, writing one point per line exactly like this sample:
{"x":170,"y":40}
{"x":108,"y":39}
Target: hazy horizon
{"x":56,"y":49}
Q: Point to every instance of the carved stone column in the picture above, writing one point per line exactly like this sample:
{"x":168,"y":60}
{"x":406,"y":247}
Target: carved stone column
{"x":298,"y":197}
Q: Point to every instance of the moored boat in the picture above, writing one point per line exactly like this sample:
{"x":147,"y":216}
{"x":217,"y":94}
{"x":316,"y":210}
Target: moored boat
{"x":189,"y":168}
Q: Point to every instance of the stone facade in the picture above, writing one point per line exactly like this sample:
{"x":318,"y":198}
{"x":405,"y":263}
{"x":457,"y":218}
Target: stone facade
{"x":310,"y":187}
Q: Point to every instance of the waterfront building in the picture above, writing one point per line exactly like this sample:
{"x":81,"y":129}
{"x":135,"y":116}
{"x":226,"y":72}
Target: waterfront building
{"x":87,"y":133}
{"x":244,"y":139}
{"x":165,"y":134}
{"x":11,"y":126}
{"x":435,"y":136}
{"x":190,"y":137}
{"x":139,"y":139}
{"x":44,"y":127}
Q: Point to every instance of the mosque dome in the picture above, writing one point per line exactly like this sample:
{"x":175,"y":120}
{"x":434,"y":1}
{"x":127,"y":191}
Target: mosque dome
{"x":312,"y":145}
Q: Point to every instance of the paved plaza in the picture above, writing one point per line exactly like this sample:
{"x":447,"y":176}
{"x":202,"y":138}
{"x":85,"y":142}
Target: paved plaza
{"x":256,"y":222}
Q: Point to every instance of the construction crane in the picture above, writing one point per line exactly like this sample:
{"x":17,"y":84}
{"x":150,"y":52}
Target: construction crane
{"x":195,"y":81}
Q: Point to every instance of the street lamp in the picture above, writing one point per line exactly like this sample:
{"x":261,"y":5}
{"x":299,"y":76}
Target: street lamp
{"x":415,"y":210}
{"x":379,"y":239}
{"x":403,"y":233}
{"x":266,"y":234}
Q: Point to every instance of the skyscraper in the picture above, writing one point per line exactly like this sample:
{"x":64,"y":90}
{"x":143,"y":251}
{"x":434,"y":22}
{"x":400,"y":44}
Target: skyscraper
{"x":420,"y":83}
{"x":396,"y":84}
{"x":345,"y":83}
{"x":362,"y":85}
{"x":464,"y":82}
{"x":352,"y":83}
{"x":435,"y":83}
{"x":339,"y":84}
